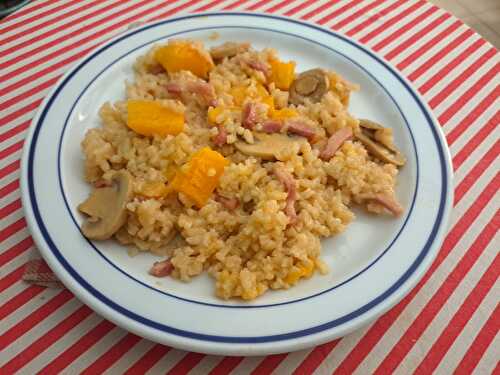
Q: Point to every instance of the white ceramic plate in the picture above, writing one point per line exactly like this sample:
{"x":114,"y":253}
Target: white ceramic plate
{"x":374,"y":263}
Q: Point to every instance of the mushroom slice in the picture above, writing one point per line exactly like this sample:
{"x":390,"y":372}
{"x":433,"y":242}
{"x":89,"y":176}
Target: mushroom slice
{"x":267,"y":146}
{"x":378,"y":141}
{"x":311,"y":84}
{"x":106,"y":208}
{"x":228,"y":49}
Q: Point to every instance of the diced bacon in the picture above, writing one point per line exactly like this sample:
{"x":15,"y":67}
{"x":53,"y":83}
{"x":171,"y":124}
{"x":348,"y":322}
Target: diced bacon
{"x":335,"y":142}
{"x":389,"y":202}
{"x":259,"y":66}
{"x":101,"y":183}
{"x":174,"y":88}
{"x":271,"y":126}
{"x":249,"y":115}
{"x":162,"y":268}
{"x":221,"y":138}
{"x":299,"y":127}
{"x":230,"y":203}
{"x":291,"y":188}
{"x":203,"y":89}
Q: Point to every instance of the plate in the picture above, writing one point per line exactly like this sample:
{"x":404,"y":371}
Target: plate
{"x":374,"y":263}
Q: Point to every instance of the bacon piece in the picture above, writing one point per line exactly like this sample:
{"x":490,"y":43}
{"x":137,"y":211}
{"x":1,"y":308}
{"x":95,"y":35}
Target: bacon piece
{"x":249,"y":115}
{"x":230,"y":203}
{"x":389,"y":202}
{"x":162,"y":268}
{"x":299,"y":127}
{"x":291,"y":188}
{"x":203,"y":89}
{"x":259,"y":66}
{"x":221,"y":138}
{"x":334,"y":142}
{"x":101,"y":183}
{"x":174,"y":88}
{"x":271,"y":126}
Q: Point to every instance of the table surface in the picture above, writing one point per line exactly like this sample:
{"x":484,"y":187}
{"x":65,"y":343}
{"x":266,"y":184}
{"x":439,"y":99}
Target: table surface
{"x":449,"y":322}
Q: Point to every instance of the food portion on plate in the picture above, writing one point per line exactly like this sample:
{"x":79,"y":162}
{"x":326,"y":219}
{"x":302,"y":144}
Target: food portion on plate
{"x":230,"y":161}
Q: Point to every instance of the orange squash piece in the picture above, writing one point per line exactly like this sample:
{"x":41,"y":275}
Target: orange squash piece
{"x":199,"y":178}
{"x":147,"y":117}
{"x":184,"y":55}
{"x":284,"y":114}
{"x":154,"y":190}
{"x":282,"y":73}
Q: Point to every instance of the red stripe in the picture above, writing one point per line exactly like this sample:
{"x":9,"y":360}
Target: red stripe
{"x":85,"y":342}
{"x":80,"y":42}
{"x":430,"y":63}
{"x":14,"y":131}
{"x":356,"y":15}
{"x":35,"y":30}
{"x":38,"y":16}
{"x":391,"y":21}
{"x":448,"y":336}
{"x":414,"y":38}
{"x":315,"y":11}
{"x":172,"y":11}
{"x":19,"y":300}
{"x":476,"y":172}
{"x":148,"y":360}
{"x":314,"y":359}
{"x":383,"y":324}
{"x":338,"y":12}
{"x":208,"y":6}
{"x":402,"y":30}
{"x":12,"y":229}
{"x":16,"y":250}
{"x":107,"y":360}
{"x":298,"y":8}
{"x":10,"y":150}
{"x":21,"y":111}
{"x":445,"y":70}
{"x":34,"y":318}
{"x":75,"y":33}
{"x":478,"y":347}
{"x":429,"y":44}
{"x":278,"y":6}
{"x":186,"y":364}
{"x":10,"y":279}
{"x":476,"y":140}
{"x":226,"y":366}
{"x":257,"y":5}
{"x":45,"y":341}
{"x":269,"y":364}
{"x":469,"y":94}
{"x":453,"y":85}
{"x":235,"y":4}
{"x":28,"y":93}
{"x":458,"y":130}
{"x":39,"y":73}
{"x":434,"y":305}
{"x":8,"y":169}
{"x":9,"y":188}
{"x":379,"y":15}
{"x":10,"y":208}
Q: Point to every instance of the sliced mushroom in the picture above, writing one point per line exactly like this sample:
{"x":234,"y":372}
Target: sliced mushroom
{"x":228,"y":49}
{"x":311,"y":84}
{"x":106,"y":208}
{"x":267,"y":146}
{"x":378,"y":141}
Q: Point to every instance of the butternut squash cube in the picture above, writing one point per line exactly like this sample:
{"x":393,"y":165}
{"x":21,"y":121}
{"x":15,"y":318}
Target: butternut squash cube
{"x":147,"y":117}
{"x":282,"y":73}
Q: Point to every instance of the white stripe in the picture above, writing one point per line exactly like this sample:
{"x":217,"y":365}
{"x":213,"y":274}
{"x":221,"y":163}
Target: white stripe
{"x":450,"y":308}
{"x":132,"y":356}
{"x":489,"y":361}
{"x":64,"y":21}
{"x":464,"y":340}
{"x":207,"y":364}
{"x":325,"y":12}
{"x":56,"y":349}
{"x":414,"y":308}
{"x":99,"y":348}
{"x":10,"y":219}
{"x":40,"y":329}
{"x":7,"y":22}
{"x":292,"y":361}
{"x":168,"y":361}
{"x":246,"y":366}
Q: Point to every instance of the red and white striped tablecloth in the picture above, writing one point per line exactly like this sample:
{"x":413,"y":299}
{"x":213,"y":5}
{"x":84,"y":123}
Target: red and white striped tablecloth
{"x":448,"y":323}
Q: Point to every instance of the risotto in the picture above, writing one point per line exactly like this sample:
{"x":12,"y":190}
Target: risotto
{"x":230,"y":162}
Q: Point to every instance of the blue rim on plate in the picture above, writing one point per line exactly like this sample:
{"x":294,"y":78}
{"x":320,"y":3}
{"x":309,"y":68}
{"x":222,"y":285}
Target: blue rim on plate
{"x":234,"y":339}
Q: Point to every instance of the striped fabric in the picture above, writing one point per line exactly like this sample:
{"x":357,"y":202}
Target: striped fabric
{"x":448,"y":323}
